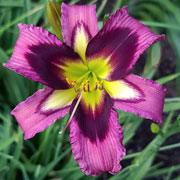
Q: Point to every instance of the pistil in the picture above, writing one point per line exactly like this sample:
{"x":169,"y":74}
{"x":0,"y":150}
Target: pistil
{"x":72,"y":114}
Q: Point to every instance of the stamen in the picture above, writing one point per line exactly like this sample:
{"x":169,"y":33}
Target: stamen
{"x":97,"y":85}
{"x":84,"y":87}
{"x":72,"y":114}
{"x":75,"y":89}
{"x":73,"y":83}
{"x":88,"y":88}
{"x":68,"y":81}
{"x":101,"y":87}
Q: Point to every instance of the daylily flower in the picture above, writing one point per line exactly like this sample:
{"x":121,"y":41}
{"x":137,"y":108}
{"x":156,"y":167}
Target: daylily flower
{"x":88,"y":76}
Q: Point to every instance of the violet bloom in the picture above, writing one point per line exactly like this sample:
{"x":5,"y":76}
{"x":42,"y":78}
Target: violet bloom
{"x":88,"y":76}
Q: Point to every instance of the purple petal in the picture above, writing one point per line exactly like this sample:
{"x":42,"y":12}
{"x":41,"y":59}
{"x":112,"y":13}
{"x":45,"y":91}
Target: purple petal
{"x":31,"y":118}
{"x":151,"y":107}
{"x":96,"y":139}
{"x":122,"y":40}
{"x":73,"y":16}
{"x":37,"y":54}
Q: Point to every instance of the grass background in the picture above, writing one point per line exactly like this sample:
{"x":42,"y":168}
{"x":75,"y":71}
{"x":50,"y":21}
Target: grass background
{"x":48,"y":155}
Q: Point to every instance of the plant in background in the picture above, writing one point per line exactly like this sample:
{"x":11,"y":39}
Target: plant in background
{"x":88,"y":76}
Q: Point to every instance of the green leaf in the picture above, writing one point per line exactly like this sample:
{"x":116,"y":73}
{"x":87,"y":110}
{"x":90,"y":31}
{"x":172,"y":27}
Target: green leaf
{"x":161,"y":25}
{"x":54,"y":17}
{"x":106,"y":17}
{"x":101,"y":7}
{"x":168,"y":78}
{"x":20,"y":18}
{"x":172,"y":106}
{"x":152,"y":61}
{"x":12,"y":3}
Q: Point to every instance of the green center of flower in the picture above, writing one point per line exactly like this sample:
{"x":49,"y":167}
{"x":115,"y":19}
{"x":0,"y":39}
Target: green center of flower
{"x":88,"y":82}
{"x":86,"y":77}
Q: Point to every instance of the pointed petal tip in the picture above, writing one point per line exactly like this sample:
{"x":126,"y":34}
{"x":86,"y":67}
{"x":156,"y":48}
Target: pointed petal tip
{"x":71,"y":15}
{"x":26,"y":136}
{"x":163,"y":36}
{"x":152,"y":105}
{"x":5,"y":65}
{"x":122,"y":37}
{"x":159,"y":37}
{"x":117,"y":168}
{"x":29,"y":135}
{"x":33,"y":48}
{"x":19,"y":25}
{"x":63,"y":5}
{"x":22,"y":26}
{"x":30,"y":117}
{"x":160,"y":121}
{"x":124,"y":8}
{"x":99,"y":156}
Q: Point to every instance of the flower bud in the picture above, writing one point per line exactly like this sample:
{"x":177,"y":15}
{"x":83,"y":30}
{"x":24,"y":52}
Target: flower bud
{"x":54,"y":17}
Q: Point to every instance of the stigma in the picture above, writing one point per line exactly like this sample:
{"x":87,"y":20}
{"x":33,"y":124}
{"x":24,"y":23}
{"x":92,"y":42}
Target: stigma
{"x":86,"y":86}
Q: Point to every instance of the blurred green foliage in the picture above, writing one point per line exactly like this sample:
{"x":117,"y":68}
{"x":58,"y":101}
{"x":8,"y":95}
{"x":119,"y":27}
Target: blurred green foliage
{"x":48,"y":155}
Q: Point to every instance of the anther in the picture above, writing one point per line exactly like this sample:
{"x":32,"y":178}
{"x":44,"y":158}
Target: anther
{"x":101,"y":87}
{"x":75,"y":89}
{"x":97,"y":85}
{"x":73,"y":83}
{"x":88,"y":87}
{"x":68,"y":81}
{"x":84,"y":87}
